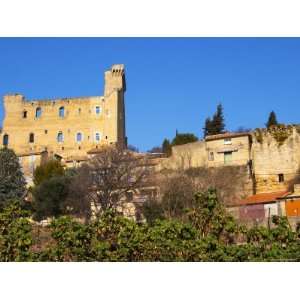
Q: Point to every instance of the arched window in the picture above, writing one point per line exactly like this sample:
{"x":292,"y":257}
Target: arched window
{"x":31,"y":138}
{"x":98,"y":110}
{"x":24,"y":114}
{"x":97,"y":137}
{"x":60,"y":137}
{"x":61,"y":112}
{"x":38,"y":112}
{"x":79,"y":137}
{"x":5,"y":140}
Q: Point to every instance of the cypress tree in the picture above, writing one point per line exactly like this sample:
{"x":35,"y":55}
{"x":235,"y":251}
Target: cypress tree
{"x":12,"y":181}
{"x":166,"y":147}
{"x":217,"y":124}
{"x":272,"y":121}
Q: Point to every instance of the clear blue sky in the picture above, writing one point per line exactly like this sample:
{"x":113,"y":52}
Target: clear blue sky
{"x":172,"y":83}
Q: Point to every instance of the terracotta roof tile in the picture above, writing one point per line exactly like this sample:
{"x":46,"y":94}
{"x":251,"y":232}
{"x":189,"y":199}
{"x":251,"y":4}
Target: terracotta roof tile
{"x":263,"y":198}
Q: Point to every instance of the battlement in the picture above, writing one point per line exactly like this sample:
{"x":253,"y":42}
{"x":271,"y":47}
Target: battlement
{"x":68,"y":126}
{"x":118,"y":69}
{"x":10,"y":98}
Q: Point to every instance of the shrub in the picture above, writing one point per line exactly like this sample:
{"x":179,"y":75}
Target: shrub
{"x":46,"y":171}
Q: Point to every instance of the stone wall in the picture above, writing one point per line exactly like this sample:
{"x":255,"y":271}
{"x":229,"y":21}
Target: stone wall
{"x":84,"y":119}
{"x":272,"y":156}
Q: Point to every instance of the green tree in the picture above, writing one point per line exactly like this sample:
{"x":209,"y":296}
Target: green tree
{"x":272,"y":121}
{"x":216,"y":125}
{"x":46,"y":171}
{"x":184,"y":138}
{"x":50,"y":197}
{"x":12,"y":181}
{"x":166,"y":147}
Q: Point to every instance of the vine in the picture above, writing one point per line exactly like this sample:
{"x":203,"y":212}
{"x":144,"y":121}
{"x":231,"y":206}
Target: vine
{"x":281,"y":133}
{"x":258,"y":135}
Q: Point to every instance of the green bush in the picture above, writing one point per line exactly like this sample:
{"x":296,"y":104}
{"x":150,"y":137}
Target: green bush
{"x":50,"y":197}
{"x":46,"y":171}
{"x":209,"y":234}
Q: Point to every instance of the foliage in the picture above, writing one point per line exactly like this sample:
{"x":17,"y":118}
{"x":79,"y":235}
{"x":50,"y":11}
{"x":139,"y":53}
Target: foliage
{"x":258,"y":135}
{"x":166,"y":147}
{"x":50,"y":197}
{"x":184,"y":138}
{"x":272,"y":120}
{"x":155,"y":149}
{"x":15,"y":234}
{"x":133,"y":148}
{"x":12,"y":182}
{"x":108,"y":177}
{"x":215,"y":125}
{"x":281,"y":132}
{"x":208,"y":234}
{"x":46,"y":171}
{"x":152,"y":211}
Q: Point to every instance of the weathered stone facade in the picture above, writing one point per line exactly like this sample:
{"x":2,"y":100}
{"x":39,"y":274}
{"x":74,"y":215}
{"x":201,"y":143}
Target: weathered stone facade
{"x":272,"y":156}
{"x":68,"y":127}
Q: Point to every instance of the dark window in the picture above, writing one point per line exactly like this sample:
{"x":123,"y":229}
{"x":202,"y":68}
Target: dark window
{"x":79,"y":111}
{"x":280,"y":177}
{"x":211,"y":156}
{"x":60,"y":137}
{"x":61,"y":112}
{"x":62,"y":148}
{"x":38,"y":112}
{"x":24,"y":114}
{"x":79,"y":148}
{"x":5,"y":140}
{"x":46,"y":131}
{"x":31,"y":138}
{"x":98,"y":110}
{"x":79,"y":137}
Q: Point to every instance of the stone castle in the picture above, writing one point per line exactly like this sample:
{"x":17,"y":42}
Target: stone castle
{"x":67,"y":128}
{"x":72,"y":129}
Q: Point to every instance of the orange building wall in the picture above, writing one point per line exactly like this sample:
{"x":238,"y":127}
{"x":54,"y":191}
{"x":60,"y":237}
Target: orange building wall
{"x":292,"y":208}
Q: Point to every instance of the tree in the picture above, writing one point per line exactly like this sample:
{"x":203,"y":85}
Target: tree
{"x":207,"y":127}
{"x":184,"y":138}
{"x":45,"y":171}
{"x":155,"y":149}
{"x":133,"y":148}
{"x":242,"y":129}
{"x":272,"y":121}
{"x":215,"y":125}
{"x":166,"y":147}
{"x":109,"y":176}
{"x":50,"y":197}
{"x":12,"y":181}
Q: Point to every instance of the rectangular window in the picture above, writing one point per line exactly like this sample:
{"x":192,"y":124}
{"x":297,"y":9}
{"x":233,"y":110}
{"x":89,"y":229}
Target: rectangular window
{"x":98,"y":110}
{"x":210,"y":156}
{"x":227,"y":157}
{"x":280,"y":177}
{"x":97,"y":137}
{"x":227,"y":141}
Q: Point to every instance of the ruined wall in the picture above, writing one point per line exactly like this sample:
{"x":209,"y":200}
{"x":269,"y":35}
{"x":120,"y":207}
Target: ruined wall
{"x":86,"y":122}
{"x":275,"y":152}
{"x":186,"y":156}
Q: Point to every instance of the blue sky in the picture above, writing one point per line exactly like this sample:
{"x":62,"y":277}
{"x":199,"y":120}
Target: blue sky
{"x":172,"y":83}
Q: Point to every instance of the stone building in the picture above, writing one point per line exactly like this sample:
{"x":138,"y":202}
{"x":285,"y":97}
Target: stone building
{"x":272,"y":156}
{"x":66,"y":128}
